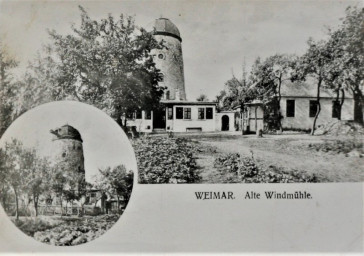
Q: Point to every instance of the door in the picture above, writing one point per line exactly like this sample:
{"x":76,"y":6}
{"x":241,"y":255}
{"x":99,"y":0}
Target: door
{"x":159,"y":119}
{"x":225,"y":123}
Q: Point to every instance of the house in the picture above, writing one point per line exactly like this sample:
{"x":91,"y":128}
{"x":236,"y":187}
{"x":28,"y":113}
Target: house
{"x":298,"y":107}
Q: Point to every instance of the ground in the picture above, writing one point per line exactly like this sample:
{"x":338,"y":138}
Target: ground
{"x":334,"y":159}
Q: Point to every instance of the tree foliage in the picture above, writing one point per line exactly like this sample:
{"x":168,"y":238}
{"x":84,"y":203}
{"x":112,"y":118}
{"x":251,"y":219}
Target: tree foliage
{"x":267,"y":78}
{"x":7,"y":88}
{"x":202,"y":97}
{"x":347,"y":66}
{"x":117,"y":182}
{"x":106,"y":63}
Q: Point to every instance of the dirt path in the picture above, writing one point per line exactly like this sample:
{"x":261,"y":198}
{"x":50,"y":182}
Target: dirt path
{"x":289,"y":152}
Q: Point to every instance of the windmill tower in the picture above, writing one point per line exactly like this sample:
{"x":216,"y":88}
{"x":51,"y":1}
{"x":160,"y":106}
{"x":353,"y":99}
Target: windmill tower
{"x":67,"y":154}
{"x":170,"y":59}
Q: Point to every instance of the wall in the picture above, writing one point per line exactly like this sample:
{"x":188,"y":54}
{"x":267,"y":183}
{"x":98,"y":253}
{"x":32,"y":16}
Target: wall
{"x":181,"y":125}
{"x":249,"y":118}
{"x":171,"y":65}
{"x":67,"y":155}
{"x":301,"y":120}
{"x":142,"y":124}
{"x":231,"y":116}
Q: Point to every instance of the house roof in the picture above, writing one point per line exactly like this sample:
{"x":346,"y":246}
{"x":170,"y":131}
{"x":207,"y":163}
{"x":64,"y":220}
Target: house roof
{"x":175,"y":102}
{"x":67,"y":132}
{"x":164,"y":26}
{"x":307,"y":89}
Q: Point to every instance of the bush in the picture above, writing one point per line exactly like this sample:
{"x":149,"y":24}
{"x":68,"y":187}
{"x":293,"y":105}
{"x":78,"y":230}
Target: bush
{"x":76,"y":231}
{"x":235,"y":168}
{"x":338,"y":146}
{"x":166,"y":160}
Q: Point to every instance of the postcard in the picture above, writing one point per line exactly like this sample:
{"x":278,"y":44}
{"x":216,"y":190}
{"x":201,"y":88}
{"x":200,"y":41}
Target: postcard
{"x":181,"y":126}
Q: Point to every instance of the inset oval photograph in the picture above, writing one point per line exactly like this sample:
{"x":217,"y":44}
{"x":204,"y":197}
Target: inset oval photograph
{"x":66,"y":173}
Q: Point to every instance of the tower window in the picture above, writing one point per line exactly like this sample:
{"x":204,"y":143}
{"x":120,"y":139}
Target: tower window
{"x":168,"y":95}
{"x":64,"y":154}
{"x":161,"y":77}
{"x":160,"y":56}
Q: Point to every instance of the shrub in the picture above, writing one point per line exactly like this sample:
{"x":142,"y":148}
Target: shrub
{"x":166,"y":160}
{"x":235,"y":168}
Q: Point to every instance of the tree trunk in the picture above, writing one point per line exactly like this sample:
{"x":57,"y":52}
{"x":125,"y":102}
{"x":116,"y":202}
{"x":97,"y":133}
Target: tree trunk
{"x":35,"y":201}
{"x":118,"y":208}
{"x":358,"y":106}
{"x":318,"y":107}
{"x":16,"y":204}
{"x":279,"y":107}
{"x":341,"y":102}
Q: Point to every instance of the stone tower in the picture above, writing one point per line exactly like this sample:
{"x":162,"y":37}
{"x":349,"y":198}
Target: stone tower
{"x":170,"y":59}
{"x":67,"y":152}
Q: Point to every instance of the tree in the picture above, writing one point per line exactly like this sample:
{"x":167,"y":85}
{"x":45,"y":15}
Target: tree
{"x":346,"y":69}
{"x":268,"y":77}
{"x":37,"y":176}
{"x":118,"y":182}
{"x":4,"y":186}
{"x":236,"y":92}
{"x":202,"y":97}
{"x":314,"y":63}
{"x":12,"y":172}
{"x":7,"y":63}
{"x":106,"y":63}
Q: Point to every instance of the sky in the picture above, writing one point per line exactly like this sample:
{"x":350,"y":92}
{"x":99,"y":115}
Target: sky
{"x":218,"y":36}
{"x":104,"y":142}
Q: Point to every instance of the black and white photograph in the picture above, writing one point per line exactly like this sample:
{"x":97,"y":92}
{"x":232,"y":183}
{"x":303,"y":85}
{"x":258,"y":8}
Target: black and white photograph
{"x":238,"y":121}
{"x":68,"y":177}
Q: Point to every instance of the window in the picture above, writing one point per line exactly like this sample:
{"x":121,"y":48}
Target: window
{"x":170,"y":113}
{"x":290,"y":108}
{"x":336,"y":109}
{"x":187,"y":113}
{"x":138,"y":115}
{"x":160,"y":56}
{"x":201,"y":113}
{"x":179,"y":113}
{"x":148,"y":115}
{"x":168,"y":95}
{"x":161,"y":77}
{"x":209,"y":113}
{"x":313,"y":108}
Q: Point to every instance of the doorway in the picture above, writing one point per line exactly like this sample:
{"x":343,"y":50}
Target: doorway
{"x":225,"y":123}
{"x":159,"y":119}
